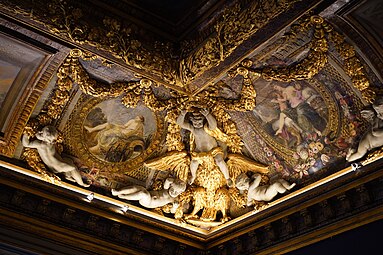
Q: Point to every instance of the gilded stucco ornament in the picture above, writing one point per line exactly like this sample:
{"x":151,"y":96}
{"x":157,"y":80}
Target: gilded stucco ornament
{"x":235,"y":25}
{"x":73,"y":21}
{"x":317,"y":57}
{"x":210,"y":180}
{"x":207,"y":168}
{"x":51,"y":112}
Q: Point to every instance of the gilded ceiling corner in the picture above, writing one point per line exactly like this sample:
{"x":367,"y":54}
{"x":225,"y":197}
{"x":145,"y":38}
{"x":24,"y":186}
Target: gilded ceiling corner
{"x":281,"y":116}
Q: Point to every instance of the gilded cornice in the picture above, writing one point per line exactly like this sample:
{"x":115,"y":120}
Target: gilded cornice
{"x":148,"y":55}
{"x":30,"y":96}
{"x":317,"y":57}
{"x":236,"y":25}
{"x":76,"y":23}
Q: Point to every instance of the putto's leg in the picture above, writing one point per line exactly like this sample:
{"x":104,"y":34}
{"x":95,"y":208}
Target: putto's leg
{"x":75,"y":174}
{"x":278,"y":187}
{"x":138,"y":195}
{"x":223,"y":167}
{"x":126,"y":190}
{"x":193,"y":170}
{"x":287,"y":185}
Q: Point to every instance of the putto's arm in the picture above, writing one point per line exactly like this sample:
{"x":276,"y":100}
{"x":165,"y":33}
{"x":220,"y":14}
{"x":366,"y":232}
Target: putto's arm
{"x":256,"y":182}
{"x":27,"y":143}
{"x":211,"y":121}
{"x":181,"y":121}
{"x":167,"y":182}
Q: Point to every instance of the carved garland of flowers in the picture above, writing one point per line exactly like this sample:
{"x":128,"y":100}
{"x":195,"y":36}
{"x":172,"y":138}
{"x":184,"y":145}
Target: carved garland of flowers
{"x":317,"y":59}
{"x":134,"y":91}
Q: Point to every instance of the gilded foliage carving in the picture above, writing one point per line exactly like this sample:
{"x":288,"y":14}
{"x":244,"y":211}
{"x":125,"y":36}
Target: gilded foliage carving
{"x":134,"y":91}
{"x":235,"y":26}
{"x":73,"y":21}
{"x":316,"y":59}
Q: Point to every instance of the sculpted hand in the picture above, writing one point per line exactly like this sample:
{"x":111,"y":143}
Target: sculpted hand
{"x":204,"y":112}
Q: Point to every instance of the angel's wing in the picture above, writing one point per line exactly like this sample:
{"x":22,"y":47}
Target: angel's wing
{"x":177,"y":162}
{"x":238,"y":164}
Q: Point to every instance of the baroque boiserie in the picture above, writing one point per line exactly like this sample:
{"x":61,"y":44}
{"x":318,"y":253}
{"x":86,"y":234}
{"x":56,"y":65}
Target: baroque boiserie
{"x":171,"y":127}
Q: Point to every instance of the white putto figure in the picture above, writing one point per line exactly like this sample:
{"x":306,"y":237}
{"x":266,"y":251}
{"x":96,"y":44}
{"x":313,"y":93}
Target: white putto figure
{"x":45,"y":145}
{"x":374,"y":137}
{"x":153,"y":198}
{"x":260,"y":193}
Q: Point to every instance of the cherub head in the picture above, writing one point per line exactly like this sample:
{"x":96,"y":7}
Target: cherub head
{"x":176,"y":188}
{"x":47,"y":134}
{"x":242,"y":182}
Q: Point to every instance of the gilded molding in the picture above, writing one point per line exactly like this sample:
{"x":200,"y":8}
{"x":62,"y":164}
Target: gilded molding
{"x":316,"y":59}
{"x":236,"y":24}
{"x":72,"y":21}
{"x":21,"y":115}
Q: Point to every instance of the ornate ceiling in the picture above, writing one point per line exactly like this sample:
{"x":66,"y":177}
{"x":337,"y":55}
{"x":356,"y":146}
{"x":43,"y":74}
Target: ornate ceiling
{"x":162,"y":111}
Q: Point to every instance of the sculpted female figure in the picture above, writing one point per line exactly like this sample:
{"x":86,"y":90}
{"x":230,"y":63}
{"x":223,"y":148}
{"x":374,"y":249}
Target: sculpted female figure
{"x":45,"y":145}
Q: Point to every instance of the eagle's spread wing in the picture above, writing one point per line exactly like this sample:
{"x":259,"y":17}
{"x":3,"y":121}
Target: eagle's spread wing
{"x":238,"y":164}
{"x":177,"y":162}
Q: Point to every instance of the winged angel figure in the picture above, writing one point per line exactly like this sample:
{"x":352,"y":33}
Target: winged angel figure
{"x":207,"y":167}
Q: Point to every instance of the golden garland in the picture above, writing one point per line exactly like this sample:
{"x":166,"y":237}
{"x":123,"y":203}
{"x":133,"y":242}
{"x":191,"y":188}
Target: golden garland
{"x":317,"y":59}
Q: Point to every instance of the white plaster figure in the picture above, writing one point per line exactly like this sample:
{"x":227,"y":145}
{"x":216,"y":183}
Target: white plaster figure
{"x":153,"y":198}
{"x":204,"y":143}
{"x":260,"y":193}
{"x":45,"y":145}
{"x":374,"y":137}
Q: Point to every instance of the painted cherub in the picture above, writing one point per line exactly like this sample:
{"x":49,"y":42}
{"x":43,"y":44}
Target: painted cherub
{"x":260,"y":193}
{"x":373,"y":138}
{"x":45,"y":145}
{"x":204,"y":142}
{"x":153,"y":198}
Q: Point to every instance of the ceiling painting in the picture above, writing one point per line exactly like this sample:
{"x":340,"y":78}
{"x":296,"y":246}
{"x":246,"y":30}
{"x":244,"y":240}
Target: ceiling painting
{"x":8,"y":74}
